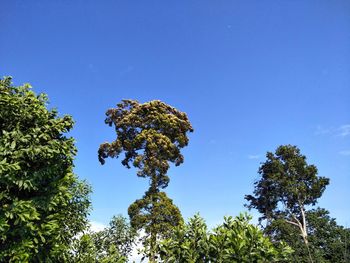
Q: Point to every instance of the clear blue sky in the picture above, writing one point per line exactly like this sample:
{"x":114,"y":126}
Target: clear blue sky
{"x":251,"y":75}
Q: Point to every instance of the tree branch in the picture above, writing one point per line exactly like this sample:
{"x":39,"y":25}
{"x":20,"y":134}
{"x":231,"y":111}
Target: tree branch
{"x":291,"y":222}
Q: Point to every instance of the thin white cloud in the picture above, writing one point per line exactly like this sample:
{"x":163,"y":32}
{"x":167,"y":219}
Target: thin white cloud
{"x":322,"y":130}
{"x":254,"y":156}
{"x":344,"y":130}
{"x":341,"y":131}
{"x":345,"y":152}
{"x":96,"y":226}
{"x":126,"y":70}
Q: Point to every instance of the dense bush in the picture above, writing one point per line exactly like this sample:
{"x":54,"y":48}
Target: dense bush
{"x":236,"y":240}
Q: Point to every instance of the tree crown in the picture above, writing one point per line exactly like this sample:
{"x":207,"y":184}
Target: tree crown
{"x":150,"y":134}
{"x":287,"y":183}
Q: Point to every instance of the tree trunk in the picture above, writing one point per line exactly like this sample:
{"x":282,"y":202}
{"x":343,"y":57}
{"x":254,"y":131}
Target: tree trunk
{"x":304,"y":232}
{"x":152,"y":257}
{"x":153,"y":241}
{"x":303,"y":229}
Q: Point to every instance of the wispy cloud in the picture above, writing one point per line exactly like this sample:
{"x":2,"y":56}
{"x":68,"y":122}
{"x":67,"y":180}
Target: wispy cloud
{"x":254,"y":156}
{"x":341,"y":131}
{"x":344,"y":130}
{"x":322,"y":130}
{"x":126,"y":70}
{"x":345,"y":152}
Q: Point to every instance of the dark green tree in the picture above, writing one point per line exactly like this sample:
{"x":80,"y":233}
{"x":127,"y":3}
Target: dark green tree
{"x":151,"y":136}
{"x":286,"y":187}
{"x":157,"y":215}
{"x":42,"y":203}
{"x":328,"y":239}
{"x":329,"y":242}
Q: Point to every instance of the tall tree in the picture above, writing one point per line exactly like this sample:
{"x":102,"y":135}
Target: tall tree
{"x":286,"y":187}
{"x":43,"y":205}
{"x":151,"y":135}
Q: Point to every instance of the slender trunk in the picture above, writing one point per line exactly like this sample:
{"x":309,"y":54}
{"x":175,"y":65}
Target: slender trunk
{"x":304,"y":232}
{"x":153,"y":241}
{"x":308,"y":249}
{"x":303,"y":229}
{"x":152,"y":257}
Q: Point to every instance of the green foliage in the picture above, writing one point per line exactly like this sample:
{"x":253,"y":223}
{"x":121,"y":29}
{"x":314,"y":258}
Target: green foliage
{"x":155,"y":213}
{"x":119,"y":236}
{"x":187,"y":243}
{"x":85,"y":251}
{"x":236,"y":240}
{"x":328,"y":239}
{"x":112,"y":244}
{"x":151,"y":135}
{"x":42,"y":203}
{"x":287,"y":185}
{"x":329,"y":242}
{"x":113,"y":256}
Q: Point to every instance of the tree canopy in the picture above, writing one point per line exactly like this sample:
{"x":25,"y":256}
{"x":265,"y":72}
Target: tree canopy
{"x":43,"y":205}
{"x":287,"y":185}
{"x":329,"y":242}
{"x":150,"y":134}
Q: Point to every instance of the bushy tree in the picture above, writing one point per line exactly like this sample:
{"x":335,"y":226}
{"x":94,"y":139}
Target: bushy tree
{"x":187,"y":243}
{"x":236,"y":240}
{"x":286,"y":187}
{"x":43,"y":205}
{"x":151,"y":136}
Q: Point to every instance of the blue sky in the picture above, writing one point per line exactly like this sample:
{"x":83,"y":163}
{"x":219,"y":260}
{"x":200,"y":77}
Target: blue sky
{"x":251,"y":75}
